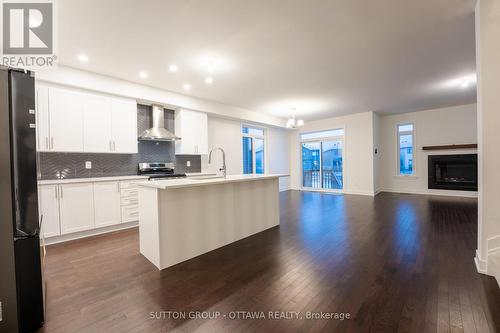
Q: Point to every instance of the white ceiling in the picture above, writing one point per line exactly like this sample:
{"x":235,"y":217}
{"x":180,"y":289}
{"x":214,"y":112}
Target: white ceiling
{"x":323,"y":57}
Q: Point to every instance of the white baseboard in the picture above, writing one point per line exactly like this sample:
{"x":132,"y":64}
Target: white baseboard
{"x":463,"y":194}
{"x":371,"y":194}
{"x":89,"y":233}
{"x":481,"y":265}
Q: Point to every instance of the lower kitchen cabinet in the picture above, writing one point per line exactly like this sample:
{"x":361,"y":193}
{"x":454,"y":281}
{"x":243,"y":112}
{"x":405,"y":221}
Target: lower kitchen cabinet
{"x":48,"y":199}
{"x":73,"y":207}
{"x":76,"y":207}
{"x":107,"y":207}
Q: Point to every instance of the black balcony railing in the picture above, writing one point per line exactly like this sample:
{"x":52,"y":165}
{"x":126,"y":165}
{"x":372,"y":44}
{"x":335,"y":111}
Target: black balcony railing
{"x":331,"y":179}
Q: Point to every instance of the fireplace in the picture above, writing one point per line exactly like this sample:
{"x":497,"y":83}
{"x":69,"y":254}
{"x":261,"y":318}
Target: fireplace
{"x":453,"y":172}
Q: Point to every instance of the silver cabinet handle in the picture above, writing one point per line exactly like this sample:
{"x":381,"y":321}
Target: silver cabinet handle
{"x":61,"y":192}
{"x":47,"y":142}
{"x":114,"y":145}
{"x":118,"y":187}
{"x":52,"y":143}
{"x":57,"y":191}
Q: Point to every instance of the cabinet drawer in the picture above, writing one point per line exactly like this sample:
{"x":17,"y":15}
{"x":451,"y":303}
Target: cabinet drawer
{"x":130,"y":214}
{"x":129,"y":192}
{"x":128,"y":185}
{"x":130,"y":201}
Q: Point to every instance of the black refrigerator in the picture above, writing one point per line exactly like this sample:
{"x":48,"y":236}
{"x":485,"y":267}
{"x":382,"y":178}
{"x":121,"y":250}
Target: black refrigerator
{"x":21,"y":287}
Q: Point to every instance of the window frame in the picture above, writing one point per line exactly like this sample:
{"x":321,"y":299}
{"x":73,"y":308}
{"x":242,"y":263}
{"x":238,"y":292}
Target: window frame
{"x":398,"y":150}
{"x":253,"y":137}
{"x":320,"y":140}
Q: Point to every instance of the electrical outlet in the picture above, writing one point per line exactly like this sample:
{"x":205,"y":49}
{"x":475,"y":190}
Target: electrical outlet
{"x":88,"y":165}
{"x":188,"y":164}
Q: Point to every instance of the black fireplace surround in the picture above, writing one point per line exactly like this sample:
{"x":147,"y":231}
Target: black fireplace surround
{"x":453,"y":172}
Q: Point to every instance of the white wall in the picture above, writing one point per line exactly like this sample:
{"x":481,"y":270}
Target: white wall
{"x":226,"y":133}
{"x":358,"y":163}
{"x":454,"y":125}
{"x":101,"y":83}
{"x":488,"y":67}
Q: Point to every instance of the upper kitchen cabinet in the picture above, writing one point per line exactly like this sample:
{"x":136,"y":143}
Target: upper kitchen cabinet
{"x":72,"y":120}
{"x":42,"y":118}
{"x":192,"y":128}
{"x":66,"y":120}
{"x":110,"y":125}
{"x":97,"y":124}
{"x":124,"y":126}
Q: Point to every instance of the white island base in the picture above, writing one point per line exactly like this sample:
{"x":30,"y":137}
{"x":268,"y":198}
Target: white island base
{"x":181,"y":219}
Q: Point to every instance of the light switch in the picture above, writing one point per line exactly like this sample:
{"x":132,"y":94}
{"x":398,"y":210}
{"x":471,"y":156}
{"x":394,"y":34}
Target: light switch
{"x":188,"y":164}
{"x":88,"y":165}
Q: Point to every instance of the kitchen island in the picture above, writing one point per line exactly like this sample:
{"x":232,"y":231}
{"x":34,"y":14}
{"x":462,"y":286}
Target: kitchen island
{"x":182,"y":218}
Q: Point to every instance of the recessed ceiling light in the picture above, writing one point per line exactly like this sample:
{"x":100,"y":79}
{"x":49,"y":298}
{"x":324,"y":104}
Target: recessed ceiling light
{"x":173,"y":68}
{"x":463,"y":82}
{"x":211,"y":63}
{"x":209,"y":80}
{"x":187,"y":87}
{"x":83,"y":58}
{"x":143,"y":74}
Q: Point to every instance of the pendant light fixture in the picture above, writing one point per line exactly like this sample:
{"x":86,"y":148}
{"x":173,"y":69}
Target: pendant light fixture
{"x":294,"y":123}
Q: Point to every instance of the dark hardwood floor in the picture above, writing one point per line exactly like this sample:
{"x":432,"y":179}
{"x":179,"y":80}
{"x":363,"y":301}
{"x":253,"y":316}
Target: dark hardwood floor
{"x":395,"y":263}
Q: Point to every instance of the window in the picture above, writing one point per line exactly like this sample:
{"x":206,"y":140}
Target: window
{"x":253,"y":149}
{"x":405,"y":149}
{"x":322,"y":159}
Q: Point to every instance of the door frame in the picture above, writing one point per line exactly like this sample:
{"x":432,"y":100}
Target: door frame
{"x":320,"y":140}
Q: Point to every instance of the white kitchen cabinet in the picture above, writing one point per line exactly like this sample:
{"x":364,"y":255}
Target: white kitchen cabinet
{"x":192,"y":127}
{"x":66,"y":120}
{"x":73,"y":120}
{"x":124,"y":126}
{"x":129,"y":201}
{"x":76,"y":207}
{"x":42,"y":118}
{"x":97,"y":120}
{"x":48,"y":209}
{"x":107,"y":206}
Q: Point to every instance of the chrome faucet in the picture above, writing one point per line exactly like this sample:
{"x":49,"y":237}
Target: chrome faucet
{"x":223,"y":169}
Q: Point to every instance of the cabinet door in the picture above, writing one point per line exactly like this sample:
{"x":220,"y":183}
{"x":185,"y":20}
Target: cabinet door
{"x":191,"y":126}
{"x":107,"y":205}
{"x":76,"y":207}
{"x":66,"y":120}
{"x":202,"y":137}
{"x":42,"y":118}
{"x":48,"y":208}
{"x":124,"y":126}
{"x":97,"y":124}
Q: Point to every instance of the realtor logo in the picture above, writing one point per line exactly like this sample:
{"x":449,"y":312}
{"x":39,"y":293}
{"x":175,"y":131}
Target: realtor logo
{"x":27,"y":28}
{"x":28,"y":33}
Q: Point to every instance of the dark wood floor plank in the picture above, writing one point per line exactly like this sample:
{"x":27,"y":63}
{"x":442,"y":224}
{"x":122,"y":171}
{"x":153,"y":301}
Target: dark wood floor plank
{"x":394,"y":262}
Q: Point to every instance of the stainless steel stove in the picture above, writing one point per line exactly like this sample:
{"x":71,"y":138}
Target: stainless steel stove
{"x":159,"y":170}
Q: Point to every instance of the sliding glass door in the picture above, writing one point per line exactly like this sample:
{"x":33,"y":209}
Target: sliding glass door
{"x":331,"y":164}
{"x":311,"y":161}
{"x":322,"y":160}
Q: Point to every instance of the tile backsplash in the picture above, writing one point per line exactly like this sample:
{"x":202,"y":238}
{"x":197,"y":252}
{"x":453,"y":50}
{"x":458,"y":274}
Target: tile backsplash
{"x":72,"y":165}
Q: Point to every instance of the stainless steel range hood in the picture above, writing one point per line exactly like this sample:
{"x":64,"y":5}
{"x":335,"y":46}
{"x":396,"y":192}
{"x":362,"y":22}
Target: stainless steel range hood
{"x":158,"y":132}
